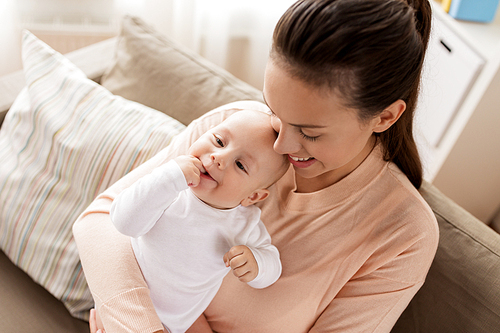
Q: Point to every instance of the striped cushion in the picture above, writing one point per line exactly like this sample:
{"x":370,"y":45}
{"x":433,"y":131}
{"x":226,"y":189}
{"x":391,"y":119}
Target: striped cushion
{"x":64,"y":141}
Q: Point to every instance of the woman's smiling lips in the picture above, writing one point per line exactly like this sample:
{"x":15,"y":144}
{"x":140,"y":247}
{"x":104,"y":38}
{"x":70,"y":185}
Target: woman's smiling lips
{"x":301,"y":162}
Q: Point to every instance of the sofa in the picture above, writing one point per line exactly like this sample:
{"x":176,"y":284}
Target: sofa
{"x":72,"y":125}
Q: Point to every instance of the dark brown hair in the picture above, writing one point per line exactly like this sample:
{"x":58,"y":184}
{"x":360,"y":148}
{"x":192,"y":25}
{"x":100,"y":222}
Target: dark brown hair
{"x":371,"y":51}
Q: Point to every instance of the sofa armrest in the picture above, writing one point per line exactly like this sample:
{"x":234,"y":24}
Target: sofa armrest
{"x":460,"y":293}
{"x":93,"y":60}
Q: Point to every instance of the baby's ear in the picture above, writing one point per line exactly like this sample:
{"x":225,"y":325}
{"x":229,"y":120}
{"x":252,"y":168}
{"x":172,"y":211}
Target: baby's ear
{"x":256,"y":196}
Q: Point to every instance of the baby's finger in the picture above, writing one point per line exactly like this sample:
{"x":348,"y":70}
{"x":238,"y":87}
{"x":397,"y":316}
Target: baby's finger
{"x":241,"y":270}
{"x":194,"y":180}
{"x":246,"y":277}
{"x":237,"y":261}
{"x":226,"y":259}
{"x":234,"y":258}
{"x":197,"y":163}
{"x":235,"y":251}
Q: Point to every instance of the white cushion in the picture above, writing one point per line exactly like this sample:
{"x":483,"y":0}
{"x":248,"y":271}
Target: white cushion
{"x":64,"y":141}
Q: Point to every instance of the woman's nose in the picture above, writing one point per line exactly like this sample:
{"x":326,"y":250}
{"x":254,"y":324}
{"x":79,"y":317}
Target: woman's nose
{"x":286,"y":143}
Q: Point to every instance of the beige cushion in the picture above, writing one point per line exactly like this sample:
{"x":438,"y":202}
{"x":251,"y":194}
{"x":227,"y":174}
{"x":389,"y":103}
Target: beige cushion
{"x":461,"y":292}
{"x":155,"y":71}
{"x":64,"y":141}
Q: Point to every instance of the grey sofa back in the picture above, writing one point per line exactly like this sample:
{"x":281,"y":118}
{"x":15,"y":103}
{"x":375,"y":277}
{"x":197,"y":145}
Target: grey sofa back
{"x":462,"y":290}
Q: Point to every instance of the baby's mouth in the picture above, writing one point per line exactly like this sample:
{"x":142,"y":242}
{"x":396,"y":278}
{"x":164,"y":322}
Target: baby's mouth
{"x":206,"y":175}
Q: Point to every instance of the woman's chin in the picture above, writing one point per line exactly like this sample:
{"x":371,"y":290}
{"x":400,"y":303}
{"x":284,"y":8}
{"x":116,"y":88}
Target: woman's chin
{"x":310,"y":172}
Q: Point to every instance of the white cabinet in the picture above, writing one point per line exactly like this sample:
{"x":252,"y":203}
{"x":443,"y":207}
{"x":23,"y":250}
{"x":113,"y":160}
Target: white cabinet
{"x":451,"y":68}
{"x":458,"y":116}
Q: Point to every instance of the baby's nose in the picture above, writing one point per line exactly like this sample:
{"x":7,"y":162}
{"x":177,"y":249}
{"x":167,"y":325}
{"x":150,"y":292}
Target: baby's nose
{"x":218,"y":160}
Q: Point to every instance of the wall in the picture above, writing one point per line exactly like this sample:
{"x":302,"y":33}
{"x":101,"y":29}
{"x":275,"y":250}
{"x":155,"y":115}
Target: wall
{"x":10,"y":38}
{"x":470,"y":174}
{"x":70,"y":24}
{"x":234,"y":34}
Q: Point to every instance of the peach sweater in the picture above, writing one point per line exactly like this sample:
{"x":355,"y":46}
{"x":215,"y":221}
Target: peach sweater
{"x":353,"y":254}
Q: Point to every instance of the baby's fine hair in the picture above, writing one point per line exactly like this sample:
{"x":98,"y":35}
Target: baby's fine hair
{"x":285,"y":164}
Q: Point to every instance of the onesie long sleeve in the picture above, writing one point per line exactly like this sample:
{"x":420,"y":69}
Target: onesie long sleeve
{"x":179,"y":242}
{"x":136,"y":210}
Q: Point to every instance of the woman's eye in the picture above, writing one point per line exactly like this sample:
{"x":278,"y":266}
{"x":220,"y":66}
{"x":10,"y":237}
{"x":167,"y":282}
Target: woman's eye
{"x":219,"y":142}
{"x":240,"y":166}
{"x":307,"y":137}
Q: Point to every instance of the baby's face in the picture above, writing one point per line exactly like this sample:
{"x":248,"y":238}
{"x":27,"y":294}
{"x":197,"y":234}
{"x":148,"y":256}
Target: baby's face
{"x":238,"y":157}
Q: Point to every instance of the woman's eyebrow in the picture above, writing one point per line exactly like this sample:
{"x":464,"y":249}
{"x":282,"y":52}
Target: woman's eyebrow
{"x":307,"y":126}
{"x":294,"y":125}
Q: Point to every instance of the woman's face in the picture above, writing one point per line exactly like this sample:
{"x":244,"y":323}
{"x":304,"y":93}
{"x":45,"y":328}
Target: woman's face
{"x":323,"y":139}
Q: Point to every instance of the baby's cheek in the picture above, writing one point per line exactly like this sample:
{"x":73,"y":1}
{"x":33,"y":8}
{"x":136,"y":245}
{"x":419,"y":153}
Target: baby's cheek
{"x":276,"y":123}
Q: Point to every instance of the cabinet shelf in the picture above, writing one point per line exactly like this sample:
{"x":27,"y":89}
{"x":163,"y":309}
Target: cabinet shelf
{"x":461,"y":143}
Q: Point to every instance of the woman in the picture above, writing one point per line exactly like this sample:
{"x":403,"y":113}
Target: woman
{"x":356,"y":239}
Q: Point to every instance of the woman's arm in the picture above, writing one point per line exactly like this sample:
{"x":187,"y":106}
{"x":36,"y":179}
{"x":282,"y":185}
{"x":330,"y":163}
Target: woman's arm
{"x":113,"y":275}
{"x":120,"y":293}
{"x":200,"y":326}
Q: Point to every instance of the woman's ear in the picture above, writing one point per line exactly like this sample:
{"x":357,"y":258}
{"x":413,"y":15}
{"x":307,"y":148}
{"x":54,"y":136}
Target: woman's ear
{"x":389,"y":116}
{"x":256,"y":196}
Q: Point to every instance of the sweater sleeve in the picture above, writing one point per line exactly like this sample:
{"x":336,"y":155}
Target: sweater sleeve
{"x":266,"y":255}
{"x":112,"y":273}
{"x":137,"y":209}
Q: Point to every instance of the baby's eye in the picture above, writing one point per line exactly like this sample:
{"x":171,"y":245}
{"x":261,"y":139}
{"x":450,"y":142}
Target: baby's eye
{"x":219,"y":141}
{"x":240,"y":166}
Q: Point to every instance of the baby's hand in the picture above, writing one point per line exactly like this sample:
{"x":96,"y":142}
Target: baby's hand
{"x":242,"y":262}
{"x":191,"y":168}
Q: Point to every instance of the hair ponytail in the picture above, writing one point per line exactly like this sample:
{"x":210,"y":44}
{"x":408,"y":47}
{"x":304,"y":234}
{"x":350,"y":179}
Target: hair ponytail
{"x":423,"y":18}
{"x":371,"y":51}
{"x":398,"y":141}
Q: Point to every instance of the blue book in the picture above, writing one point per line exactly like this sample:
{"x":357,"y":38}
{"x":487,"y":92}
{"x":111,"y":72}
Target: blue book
{"x":473,"y":10}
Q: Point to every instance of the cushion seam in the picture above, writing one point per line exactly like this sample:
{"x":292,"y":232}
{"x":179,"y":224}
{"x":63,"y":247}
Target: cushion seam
{"x":465,"y":232}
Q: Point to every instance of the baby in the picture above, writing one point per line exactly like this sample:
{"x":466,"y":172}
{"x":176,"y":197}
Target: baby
{"x":193,"y":218}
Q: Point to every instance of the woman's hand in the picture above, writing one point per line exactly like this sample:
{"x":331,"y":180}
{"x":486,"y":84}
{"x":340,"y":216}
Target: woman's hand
{"x":95,"y":322}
